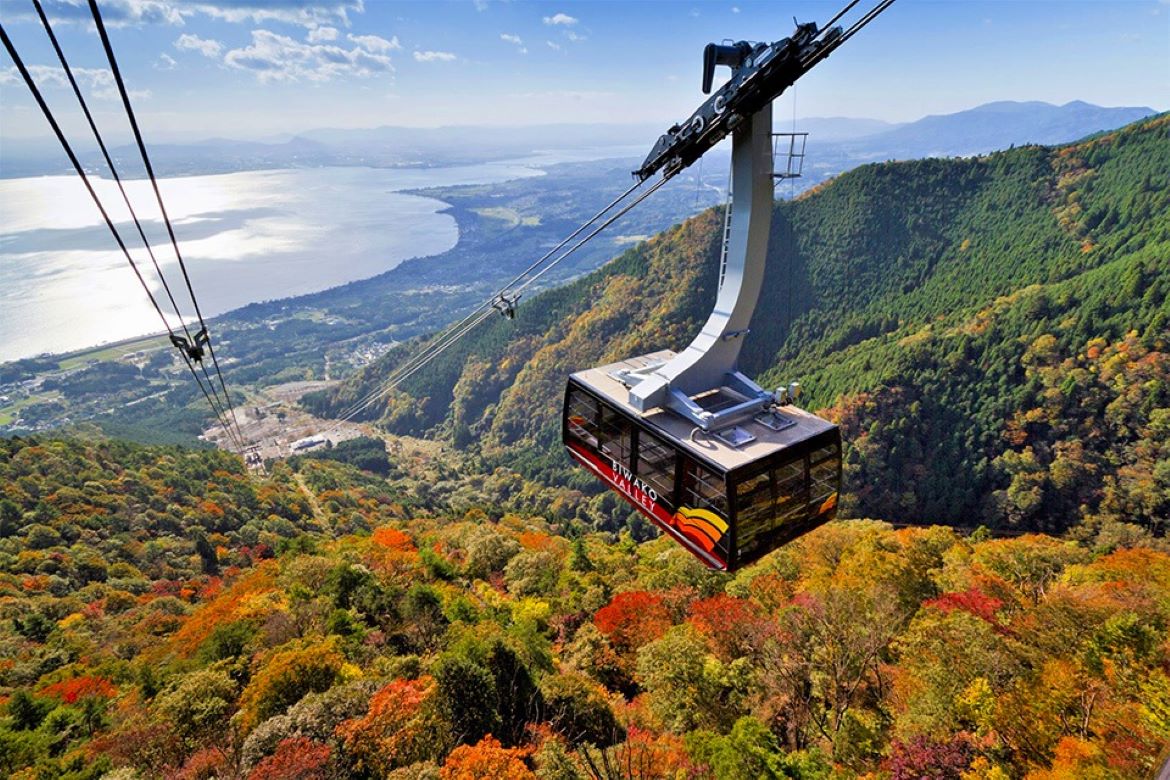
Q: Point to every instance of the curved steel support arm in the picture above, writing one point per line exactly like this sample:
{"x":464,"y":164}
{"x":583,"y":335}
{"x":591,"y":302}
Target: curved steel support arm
{"x":714,"y":353}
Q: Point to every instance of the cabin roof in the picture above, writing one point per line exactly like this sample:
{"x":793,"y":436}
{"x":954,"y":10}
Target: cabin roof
{"x":678,"y":430}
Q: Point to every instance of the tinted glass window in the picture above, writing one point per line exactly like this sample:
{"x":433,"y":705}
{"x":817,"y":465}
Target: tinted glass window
{"x":703,"y":489}
{"x":791,"y":491}
{"x":824,"y":478}
{"x":656,"y":466}
{"x":823,"y":453}
{"x":706,"y":491}
{"x":754,"y":508}
{"x":582,"y":417}
{"x":616,"y":436}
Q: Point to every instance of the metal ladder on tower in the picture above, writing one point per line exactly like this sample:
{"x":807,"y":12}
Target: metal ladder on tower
{"x":726,"y":234}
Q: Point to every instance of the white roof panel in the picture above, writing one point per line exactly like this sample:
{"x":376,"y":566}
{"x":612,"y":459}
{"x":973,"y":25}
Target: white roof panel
{"x":678,"y":429}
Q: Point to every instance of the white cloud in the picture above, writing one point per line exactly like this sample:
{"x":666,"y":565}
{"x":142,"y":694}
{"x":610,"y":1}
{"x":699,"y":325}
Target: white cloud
{"x":480,"y":5}
{"x":322,"y":34}
{"x":735,"y":9}
{"x":562,"y":19}
{"x":123,"y":13}
{"x":120,"y":13}
{"x":274,"y":57}
{"x":99,"y":81}
{"x":165,"y":62}
{"x":376,"y":43}
{"x":553,"y":46}
{"x":434,"y":56}
{"x":205,"y":46}
{"x":515,"y":39}
{"x":574,"y":37}
{"x":309,"y":13}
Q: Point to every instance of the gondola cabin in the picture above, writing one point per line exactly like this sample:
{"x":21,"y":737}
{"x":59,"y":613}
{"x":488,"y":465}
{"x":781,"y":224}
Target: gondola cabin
{"x":728,"y":499}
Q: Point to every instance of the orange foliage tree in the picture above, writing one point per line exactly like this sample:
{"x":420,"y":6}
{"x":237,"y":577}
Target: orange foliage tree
{"x":400,"y":728}
{"x":228,"y":605}
{"x":486,"y":758}
{"x":286,"y":676}
{"x":393,"y":539}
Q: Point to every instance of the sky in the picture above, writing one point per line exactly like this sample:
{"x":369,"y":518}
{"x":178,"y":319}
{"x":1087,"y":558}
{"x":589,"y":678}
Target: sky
{"x":264,"y":69}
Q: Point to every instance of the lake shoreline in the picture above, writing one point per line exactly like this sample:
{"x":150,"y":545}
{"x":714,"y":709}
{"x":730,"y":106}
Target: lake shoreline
{"x":546,"y":161}
{"x":247,"y":251}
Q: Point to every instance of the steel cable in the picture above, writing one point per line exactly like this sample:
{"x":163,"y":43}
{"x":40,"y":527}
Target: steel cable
{"x":457,"y":330}
{"x":101,"y":28}
{"x":402,"y":375}
{"x":73,"y":159}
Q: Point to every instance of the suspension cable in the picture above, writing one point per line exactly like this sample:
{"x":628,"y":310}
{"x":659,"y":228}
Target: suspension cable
{"x":456,"y":331}
{"x":622,"y":212}
{"x":126,"y":199}
{"x":101,"y":28}
{"x":855,"y":28}
{"x":401,"y":373}
{"x":827,"y":25}
{"x":40,"y":100}
{"x":486,"y":304}
{"x":403,"y":376}
{"x":872,"y":14}
{"x":416,"y":365}
{"x":109,"y":161}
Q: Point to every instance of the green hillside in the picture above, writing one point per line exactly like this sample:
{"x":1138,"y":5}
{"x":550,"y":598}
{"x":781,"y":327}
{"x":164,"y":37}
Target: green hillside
{"x":991,"y":332}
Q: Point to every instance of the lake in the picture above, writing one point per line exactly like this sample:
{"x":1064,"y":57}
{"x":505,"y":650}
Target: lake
{"x":245,"y":237}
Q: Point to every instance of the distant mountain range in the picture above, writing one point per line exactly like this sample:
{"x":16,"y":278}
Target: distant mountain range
{"x":990,"y":127}
{"x":835,"y":143}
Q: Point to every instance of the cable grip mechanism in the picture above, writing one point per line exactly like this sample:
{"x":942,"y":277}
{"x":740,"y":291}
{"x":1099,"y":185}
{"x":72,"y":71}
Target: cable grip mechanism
{"x":194,"y":349}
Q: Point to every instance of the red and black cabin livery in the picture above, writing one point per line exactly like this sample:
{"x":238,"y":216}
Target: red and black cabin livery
{"x":727,"y":505}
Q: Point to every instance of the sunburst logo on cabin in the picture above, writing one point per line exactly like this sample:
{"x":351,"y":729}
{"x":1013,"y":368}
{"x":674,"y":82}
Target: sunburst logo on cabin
{"x":703,"y":527}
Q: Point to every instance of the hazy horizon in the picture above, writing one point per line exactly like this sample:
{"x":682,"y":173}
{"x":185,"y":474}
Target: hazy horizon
{"x":265,"y":69}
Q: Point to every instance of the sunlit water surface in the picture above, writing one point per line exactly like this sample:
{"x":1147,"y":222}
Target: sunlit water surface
{"x":245,"y":237}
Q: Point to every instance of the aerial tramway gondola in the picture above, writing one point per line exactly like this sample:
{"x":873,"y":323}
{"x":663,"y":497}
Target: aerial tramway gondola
{"x":729,"y":470}
{"x":729,"y":497}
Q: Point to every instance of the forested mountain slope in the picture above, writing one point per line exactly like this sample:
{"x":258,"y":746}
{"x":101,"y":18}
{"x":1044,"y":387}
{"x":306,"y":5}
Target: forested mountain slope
{"x":163,"y":614}
{"x":991,"y":332}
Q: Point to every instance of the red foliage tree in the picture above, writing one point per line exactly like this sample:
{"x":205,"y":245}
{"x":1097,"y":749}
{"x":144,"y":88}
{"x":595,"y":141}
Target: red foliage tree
{"x":732,"y":626}
{"x":296,"y":758}
{"x":971,"y":600}
{"x":207,"y":764}
{"x":73,"y":691}
{"x":632,"y":619}
{"x":924,"y":759}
